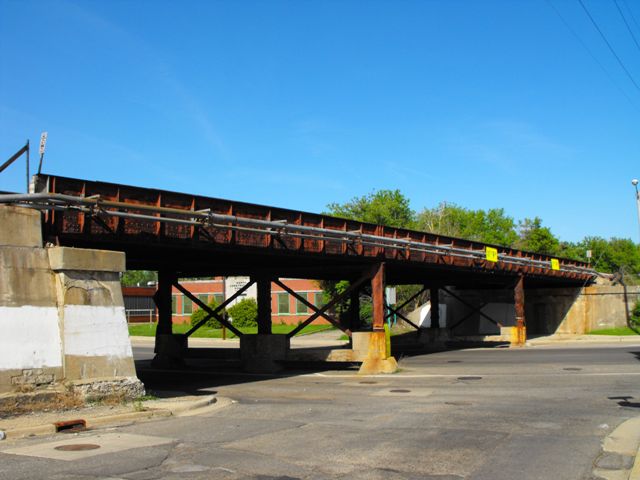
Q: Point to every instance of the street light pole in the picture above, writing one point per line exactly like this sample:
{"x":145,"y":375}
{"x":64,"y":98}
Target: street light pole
{"x":634,"y":182}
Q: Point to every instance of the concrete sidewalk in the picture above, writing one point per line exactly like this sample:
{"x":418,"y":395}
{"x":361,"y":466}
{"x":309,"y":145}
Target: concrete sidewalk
{"x":44,"y":423}
{"x":330,"y":338}
{"x":620,"y":456}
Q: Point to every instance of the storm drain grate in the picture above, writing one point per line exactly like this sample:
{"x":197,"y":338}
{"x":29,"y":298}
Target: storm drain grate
{"x":572,"y":369}
{"x":400,"y":390}
{"x":469,"y":378}
{"x":459,"y":404}
{"x":77,"y":447}
{"x":70,"y":426}
{"x":454,"y":361}
{"x":367,"y":382}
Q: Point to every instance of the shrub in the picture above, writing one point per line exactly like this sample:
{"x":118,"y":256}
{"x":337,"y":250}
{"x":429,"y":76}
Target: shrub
{"x":200,"y":314}
{"x":635,"y":314}
{"x":244,"y":313}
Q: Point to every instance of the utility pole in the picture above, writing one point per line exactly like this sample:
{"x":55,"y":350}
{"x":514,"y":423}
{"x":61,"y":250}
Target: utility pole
{"x":634,"y":182}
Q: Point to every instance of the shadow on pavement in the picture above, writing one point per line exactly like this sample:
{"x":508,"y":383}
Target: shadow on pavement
{"x":624,"y":402}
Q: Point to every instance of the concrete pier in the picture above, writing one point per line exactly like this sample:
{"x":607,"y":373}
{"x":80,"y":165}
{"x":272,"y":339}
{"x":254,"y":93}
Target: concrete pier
{"x":61,"y":313}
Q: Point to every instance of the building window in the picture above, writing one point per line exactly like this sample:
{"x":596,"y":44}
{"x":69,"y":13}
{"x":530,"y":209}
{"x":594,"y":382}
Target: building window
{"x":219,"y":298}
{"x":204,"y":298}
{"x":301,"y":307}
{"x":319,"y":300}
{"x":283,"y":303}
{"x":187,"y":306}
{"x":174,"y":304}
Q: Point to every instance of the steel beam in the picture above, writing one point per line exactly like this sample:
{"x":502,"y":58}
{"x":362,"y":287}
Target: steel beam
{"x":162,"y":299}
{"x":315,"y":309}
{"x":377,"y":297}
{"x":435,"y":307}
{"x":212,"y":313}
{"x":483,"y":315}
{"x":353,"y":314}
{"x":334,"y":301}
{"x":264,"y":305}
{"x":518,"y":295}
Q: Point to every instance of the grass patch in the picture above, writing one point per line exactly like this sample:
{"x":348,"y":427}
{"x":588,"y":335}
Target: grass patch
{"x":149,"y":330}
{"x":619,"y":331}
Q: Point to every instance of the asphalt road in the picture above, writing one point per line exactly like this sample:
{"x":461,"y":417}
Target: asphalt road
{"x":533,"y":413}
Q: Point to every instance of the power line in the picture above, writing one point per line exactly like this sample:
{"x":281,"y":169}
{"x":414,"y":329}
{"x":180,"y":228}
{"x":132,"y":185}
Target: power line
{"x":635,"y":40}
{"x":609,"y":45}
{"x":592,"y":55}
{"x":631,"y":14}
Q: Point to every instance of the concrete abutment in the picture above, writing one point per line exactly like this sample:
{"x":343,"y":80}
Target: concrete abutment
{"x":61,"y":313}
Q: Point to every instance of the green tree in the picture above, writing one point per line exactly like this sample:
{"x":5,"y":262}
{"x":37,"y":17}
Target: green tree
{"x":614,"y":254}
{"x":492,"y":226}
{"x":382,"y":207}
{"x":536,"y":238}
{"x":244,"y":313}
{"x":132,"y":278}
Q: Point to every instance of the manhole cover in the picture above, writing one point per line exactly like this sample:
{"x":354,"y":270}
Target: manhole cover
{"x":77,"y":447}
{"x":469,"y":378}
{"x":400,"y":390}
{"x":459,"y":404}
{"x":572,"y":369}
{"x":368,"y":383}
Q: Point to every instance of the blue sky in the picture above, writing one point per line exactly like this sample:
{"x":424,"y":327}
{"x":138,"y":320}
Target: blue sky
{"x":301,"y":103}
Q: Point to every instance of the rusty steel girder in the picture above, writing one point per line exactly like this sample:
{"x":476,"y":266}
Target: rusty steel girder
{"x":136,"y":220}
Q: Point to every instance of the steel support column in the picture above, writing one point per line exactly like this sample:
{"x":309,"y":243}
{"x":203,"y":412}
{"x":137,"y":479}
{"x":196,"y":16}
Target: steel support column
{"x":518,"y":296}
{"x":162,"y":299}
{"x":264,"y":305}
{"x":435,"y":307}
{"x":354,"y":310}
{"x":377,"y":297}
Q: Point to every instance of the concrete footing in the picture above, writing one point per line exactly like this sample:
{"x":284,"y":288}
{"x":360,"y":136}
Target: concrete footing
{"x":170,"y":351}
{"x":434,"y":336}
{"x":263,"y":353}
{"x":372,"y":348}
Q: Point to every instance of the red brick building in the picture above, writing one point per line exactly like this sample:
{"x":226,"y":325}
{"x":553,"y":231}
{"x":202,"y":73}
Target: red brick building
{"x":284,"y":307}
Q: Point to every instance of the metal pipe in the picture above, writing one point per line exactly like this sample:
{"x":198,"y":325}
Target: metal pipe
{"x":93,"y":205}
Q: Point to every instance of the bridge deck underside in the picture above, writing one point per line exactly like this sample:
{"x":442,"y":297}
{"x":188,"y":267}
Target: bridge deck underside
{"x":200,"y":236}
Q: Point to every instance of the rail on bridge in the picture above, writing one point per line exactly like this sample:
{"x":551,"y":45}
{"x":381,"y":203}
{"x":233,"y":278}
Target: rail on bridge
{"x":182,"y":235}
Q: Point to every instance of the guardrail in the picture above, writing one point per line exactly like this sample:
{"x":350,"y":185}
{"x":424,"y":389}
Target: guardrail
{"x":149,"y":313}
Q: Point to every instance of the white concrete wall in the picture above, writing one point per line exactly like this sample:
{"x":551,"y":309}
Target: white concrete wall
{"x":424,"y":320}
{"x":30,"y":338}
{"x":91,"y":331}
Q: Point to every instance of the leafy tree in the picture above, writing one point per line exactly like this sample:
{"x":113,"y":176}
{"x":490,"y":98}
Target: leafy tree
{"x":492,"y":226}
{"x":614,"y":254}
{"x":536,"y":238}
{"x":383,"y":207}
{"x":131,"y":278}
{"x":244,"y":313}
{"x":200,"y":314}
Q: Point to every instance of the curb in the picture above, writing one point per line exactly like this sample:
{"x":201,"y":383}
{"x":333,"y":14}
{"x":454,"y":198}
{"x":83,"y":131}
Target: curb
{"x":635,"y":471}
{"x":176,"y":407}
{"x":164,"y":409}
{"x":623,"y":441}
{"x":50,"y":429}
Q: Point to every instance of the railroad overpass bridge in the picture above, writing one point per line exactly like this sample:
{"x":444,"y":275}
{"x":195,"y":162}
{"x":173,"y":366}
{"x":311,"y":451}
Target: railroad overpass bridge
{"x":183,"y":235}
